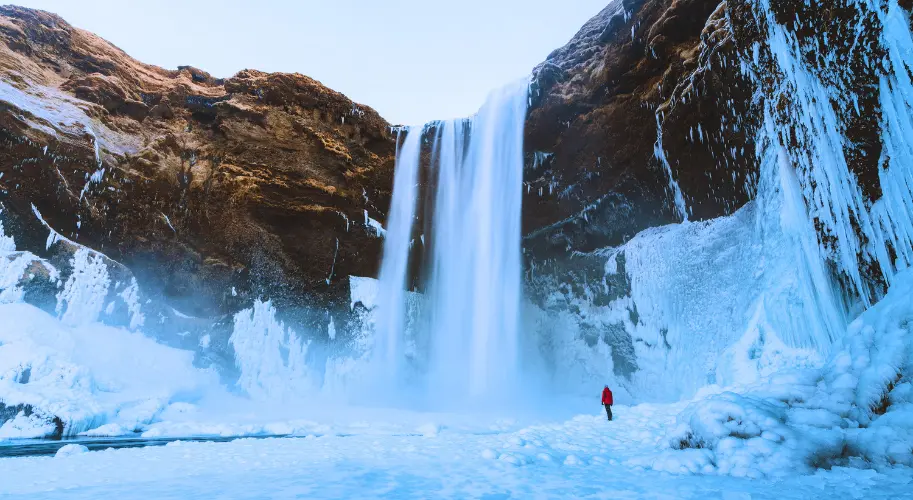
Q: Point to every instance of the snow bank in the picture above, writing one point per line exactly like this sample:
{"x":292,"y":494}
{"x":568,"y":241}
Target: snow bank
{"x":71,"y":449}
{"x":857,"y":410}
{"x":87,"y":375}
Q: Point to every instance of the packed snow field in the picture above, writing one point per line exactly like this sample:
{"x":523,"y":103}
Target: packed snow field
{"x":585,"y":457}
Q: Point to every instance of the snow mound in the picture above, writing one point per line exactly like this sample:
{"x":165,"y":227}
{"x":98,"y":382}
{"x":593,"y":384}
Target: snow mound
{"x":429,"y":430}
{"x":71,"y":449}
{"x":86,"y":376}
{"x":108,"y":430}
{"x":855,"y":411}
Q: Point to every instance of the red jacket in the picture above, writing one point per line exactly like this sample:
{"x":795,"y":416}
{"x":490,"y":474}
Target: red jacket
{"x":607,"y":396}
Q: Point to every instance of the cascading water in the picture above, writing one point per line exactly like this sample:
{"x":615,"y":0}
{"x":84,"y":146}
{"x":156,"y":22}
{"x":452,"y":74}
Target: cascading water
{"x":660,"y":153}
{"x":474,"y":288}
{"x":475,"y":285}
{"x":391,"y":297}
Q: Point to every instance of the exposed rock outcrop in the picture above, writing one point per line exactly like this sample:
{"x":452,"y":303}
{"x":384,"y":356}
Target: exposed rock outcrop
{"x":642,"y":82}
{"x":662,"y":110}
{"x":213,"y":192}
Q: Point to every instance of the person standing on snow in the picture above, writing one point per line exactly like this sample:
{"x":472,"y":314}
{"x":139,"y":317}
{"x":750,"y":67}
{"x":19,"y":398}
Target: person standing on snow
{"x":607,"y":401}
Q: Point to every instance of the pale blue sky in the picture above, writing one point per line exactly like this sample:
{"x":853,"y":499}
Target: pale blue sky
{"x":412,"y":60}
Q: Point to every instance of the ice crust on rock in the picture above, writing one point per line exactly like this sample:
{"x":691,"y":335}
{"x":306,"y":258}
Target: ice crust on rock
{"x":856,"y":410}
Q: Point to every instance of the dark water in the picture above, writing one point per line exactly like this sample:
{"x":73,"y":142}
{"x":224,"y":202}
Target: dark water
{"x":44,"y":447}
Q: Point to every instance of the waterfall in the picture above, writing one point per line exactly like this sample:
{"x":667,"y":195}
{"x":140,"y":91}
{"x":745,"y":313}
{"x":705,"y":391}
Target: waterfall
{"x":391,"y":297}
{"x":475,"y":285}
{"x":660,"y":153}
{"x":474,"y":269}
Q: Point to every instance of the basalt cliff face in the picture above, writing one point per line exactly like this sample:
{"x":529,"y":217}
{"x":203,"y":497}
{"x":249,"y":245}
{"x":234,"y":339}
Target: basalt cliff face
{"x":643,"y":81}
{"x":212,"y":192}
{"x":649,"y":115}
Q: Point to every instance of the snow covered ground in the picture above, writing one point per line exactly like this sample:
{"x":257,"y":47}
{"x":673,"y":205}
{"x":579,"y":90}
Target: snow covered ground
{"x":584,"y":457}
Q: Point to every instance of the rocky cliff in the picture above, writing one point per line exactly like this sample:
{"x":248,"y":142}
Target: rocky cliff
{"x":642,"y":107}
{"x":660,"y":111}
{"x":213,"y":192}
{"x":650,"y":116}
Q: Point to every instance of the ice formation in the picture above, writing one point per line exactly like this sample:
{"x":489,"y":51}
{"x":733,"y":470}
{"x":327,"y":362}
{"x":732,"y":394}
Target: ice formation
{"x":83,"y":296}
{"x":270,"y":355}
{"x":70,"y":379}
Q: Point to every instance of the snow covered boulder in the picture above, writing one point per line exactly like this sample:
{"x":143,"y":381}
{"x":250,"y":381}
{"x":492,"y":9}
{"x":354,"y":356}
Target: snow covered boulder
{"x":70,"y":450}
{"x":23,"y":422}
{"x":749,"y":436}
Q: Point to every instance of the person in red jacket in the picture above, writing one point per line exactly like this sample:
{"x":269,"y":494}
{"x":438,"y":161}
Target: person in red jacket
{"x":607,"y":401}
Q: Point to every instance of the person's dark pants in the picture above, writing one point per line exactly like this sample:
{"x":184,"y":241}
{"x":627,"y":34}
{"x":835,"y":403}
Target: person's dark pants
{"x":608,"y":412}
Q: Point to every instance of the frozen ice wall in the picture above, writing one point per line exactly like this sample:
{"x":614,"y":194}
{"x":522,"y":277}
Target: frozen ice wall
{"x":863,"y":237}
{"x":271,"y":357}
{"x":719,"y":302}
